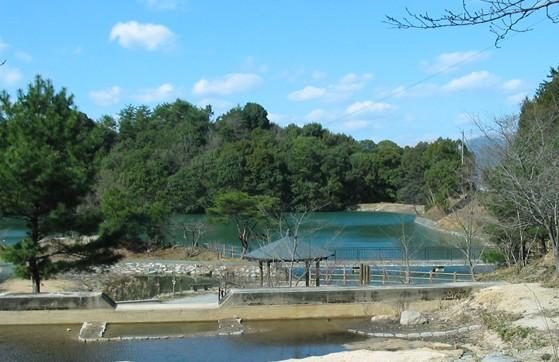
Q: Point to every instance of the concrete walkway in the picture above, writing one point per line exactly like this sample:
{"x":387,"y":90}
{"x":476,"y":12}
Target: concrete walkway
{"x":205,"y":301}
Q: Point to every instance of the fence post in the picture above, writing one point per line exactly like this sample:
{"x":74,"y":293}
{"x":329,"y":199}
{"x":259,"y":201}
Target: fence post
{"x":454,"y":276}
{"x":430,"y":277}
{"x":345,"y":278}
{"x":383,"y":275}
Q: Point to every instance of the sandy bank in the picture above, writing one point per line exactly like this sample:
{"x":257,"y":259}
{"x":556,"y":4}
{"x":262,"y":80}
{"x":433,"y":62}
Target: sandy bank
{"x":412,"y":355}
{"x":392,"y":207}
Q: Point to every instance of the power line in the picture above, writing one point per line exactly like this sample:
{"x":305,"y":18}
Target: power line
{"x":433,"y":75}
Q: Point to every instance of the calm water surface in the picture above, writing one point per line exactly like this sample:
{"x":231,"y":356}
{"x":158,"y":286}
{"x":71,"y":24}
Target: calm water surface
{"x":331,"y":229}
{"x":264,"y":341}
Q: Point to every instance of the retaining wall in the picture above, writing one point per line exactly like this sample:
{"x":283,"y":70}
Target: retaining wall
{"x":55,"y":301}
{"x":344,"y":295}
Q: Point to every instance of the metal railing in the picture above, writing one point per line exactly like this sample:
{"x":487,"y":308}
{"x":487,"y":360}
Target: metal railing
{"x":364,"y":274}
{"x":430,"y":254}
{"x":225,"y":250}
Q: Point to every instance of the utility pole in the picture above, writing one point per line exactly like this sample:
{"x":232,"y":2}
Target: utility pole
{"x":462,"y":149}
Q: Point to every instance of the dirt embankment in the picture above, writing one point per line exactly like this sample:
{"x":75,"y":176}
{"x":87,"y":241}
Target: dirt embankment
{"x":392,"y":207}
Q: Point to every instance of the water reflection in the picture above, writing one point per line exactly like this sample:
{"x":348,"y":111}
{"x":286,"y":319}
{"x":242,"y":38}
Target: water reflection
{"x":264,"y":341}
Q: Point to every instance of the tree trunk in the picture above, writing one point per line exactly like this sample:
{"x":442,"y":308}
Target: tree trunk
{"x":35,"y":277}
{"x":33,"y":267}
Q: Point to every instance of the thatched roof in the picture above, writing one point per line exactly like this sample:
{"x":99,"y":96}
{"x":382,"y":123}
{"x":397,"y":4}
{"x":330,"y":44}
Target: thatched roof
{"x":287,"y":249}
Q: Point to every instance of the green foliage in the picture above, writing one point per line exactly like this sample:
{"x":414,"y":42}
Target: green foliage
{"x":49,"y":155}
{"x":493,"y":257}
{"x":246,"y":212}
{"x":431,"y":173}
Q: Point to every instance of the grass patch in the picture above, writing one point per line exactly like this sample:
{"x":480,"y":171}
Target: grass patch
{"x":501,"y":323}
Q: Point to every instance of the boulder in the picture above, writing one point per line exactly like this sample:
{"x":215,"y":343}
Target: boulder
{"x":383,"y":318}
{"x":498,"y":358}
{"x":412,"y":317}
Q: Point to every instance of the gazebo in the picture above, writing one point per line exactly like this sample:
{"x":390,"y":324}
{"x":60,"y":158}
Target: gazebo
{"x":289,"y":249}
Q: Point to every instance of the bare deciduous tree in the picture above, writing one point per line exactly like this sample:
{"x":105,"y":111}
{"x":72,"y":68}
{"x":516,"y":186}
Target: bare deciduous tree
{"x":527,"y":174}
{"x":503,"y":16}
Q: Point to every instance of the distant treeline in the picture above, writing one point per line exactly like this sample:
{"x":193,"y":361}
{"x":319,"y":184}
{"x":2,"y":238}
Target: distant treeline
{"x":175,"y":157}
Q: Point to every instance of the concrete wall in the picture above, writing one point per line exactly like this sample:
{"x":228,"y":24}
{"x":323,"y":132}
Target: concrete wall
{"x":55,"y":301}
{"x":341,"y":295}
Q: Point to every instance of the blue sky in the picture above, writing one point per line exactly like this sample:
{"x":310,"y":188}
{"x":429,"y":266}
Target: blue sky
{"x":333,"y":62}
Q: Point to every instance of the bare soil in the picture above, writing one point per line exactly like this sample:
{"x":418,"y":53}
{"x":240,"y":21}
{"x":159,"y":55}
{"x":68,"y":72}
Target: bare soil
{"x":392,"y":207}
{"x":16,"y":285}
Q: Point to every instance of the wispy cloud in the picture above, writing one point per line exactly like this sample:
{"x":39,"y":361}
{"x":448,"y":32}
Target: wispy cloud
{"x":354,"y":124}
{"x":463,"y":119}
{"x":162,"y":5}
{"x":319,"y":114}
{"x":106,"y":97}
{"x":228,"y":84}
{"x":341,"y":90}
{"x":512,"y":85}
{"x":164,"y":92}
{"x":10,"y":76}
{"x":251,"y":65}
{"x":517,"y":99}
{"x":473,"y":80}
{"x":368,"y":107}
{"x":447,"y":62}
{"x":148,"y":36}
{"x":308,"y":93}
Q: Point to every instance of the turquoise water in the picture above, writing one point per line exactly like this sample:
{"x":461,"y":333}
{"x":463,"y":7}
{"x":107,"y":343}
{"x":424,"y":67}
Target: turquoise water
{"x":330,"y":229}
{"x":337,"y":230}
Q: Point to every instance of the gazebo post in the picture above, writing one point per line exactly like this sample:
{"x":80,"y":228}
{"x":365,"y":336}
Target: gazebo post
{"x":261,"y":273}
{"x":307,"y":274}
{"x":318,"y":273}
{"x":269,"y":274}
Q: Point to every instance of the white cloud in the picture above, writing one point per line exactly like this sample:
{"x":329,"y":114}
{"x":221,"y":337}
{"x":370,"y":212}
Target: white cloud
{"x":219,"y":106}
{"x":163,"y":4}
{"x":355,"y":124}
{"x":447,"y":62}
{"x":512,"y":85}
{"x":138,"y":35}
{"x":164,"y":92}
{"x":77,"y":50}
{"x":106,"y":97}
{"x":517,"y":98}
{"x":228,"y":84}
{"x":308,"y":93}
{"x":9,"y":76}
{"x":368,"y":107}
{"x":474,"y":80}
{"x":352,"y":82}
{"x":23,"y":56}
{"x":342,"y":89}
{"x":318,"y":115}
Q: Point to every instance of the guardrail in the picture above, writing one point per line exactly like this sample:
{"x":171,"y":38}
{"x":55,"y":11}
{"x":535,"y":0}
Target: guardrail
{"x":378,"y":254}
{"x":365,"y":274}
{"x":396,"y":254}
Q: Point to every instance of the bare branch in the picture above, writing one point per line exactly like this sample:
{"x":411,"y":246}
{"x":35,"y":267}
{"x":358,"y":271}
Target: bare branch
{"x":503,"y":16}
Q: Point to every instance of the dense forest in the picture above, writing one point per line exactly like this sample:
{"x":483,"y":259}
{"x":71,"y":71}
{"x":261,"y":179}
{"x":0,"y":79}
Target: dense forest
{"x":175,"y":159}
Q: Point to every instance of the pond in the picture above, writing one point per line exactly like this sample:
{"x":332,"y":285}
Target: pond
{"x":331,"y":229}
{"x":263,"y":341}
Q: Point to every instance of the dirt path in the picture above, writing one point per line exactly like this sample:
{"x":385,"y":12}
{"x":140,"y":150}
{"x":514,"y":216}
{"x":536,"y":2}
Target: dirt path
{"x":15,"y":285}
